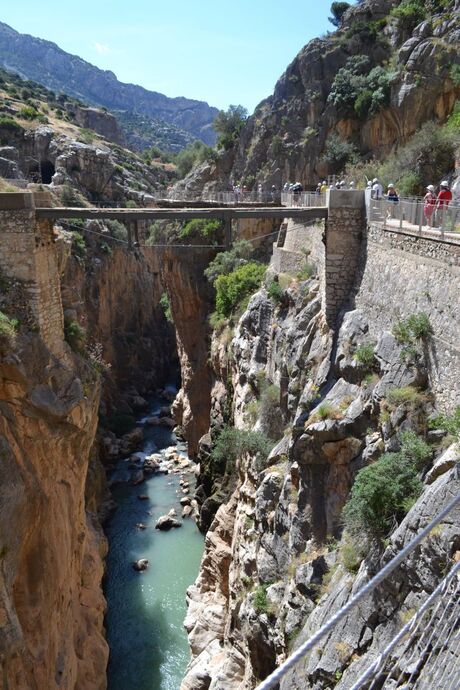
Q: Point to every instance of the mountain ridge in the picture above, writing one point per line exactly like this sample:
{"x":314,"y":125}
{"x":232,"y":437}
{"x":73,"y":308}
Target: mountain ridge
{"x":48,"y":64}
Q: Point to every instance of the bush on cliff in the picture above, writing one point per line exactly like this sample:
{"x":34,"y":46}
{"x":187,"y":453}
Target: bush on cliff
{"x":228,"y":125}
{"x":201,"y":230}
{"x":232,"y":444}
{"x":233,"y":288}
{"x":384,"y":491}
{"x":226,"y":262}
{"x":8,"y":328}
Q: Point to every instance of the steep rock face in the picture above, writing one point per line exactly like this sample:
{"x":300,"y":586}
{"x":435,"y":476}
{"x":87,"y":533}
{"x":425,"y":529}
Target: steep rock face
{"x":286,"y":137}
{"x":190,"y":297}
{"x":116,"y":299}
{"x":48,"y":64}
{"x":101,"y":122}
{"x":276,"y":565}
{"x":51,"y":603}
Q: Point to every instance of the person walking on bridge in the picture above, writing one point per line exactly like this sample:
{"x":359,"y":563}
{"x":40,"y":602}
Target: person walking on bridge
{"x":429,"y":203}
{"x":377,"y":189}
{"x":442,"y":202}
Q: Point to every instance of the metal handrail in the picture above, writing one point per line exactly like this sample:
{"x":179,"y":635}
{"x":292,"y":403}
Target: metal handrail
{"x":437,"y":218}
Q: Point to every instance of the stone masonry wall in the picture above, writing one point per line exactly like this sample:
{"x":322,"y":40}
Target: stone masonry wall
{"x":345,"y":227}
{"x":27,"y":254}
{"x":403,"y":275}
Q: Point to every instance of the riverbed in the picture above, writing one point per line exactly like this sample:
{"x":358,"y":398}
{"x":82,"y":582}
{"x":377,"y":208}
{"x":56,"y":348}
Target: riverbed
{"x":146,"y":611}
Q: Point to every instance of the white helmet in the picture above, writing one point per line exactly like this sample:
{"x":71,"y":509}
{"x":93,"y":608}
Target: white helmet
{"x":431,"y":188}
{"x":444,"y":183}
{"x":375,"y":180}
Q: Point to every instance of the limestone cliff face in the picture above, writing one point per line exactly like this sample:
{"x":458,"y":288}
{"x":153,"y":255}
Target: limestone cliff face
{"x":115,"y":297}
{"x":190,"y":297}
{"x":51,"y":603}
{"x":273,"y":568}
{"x":287,"y":136}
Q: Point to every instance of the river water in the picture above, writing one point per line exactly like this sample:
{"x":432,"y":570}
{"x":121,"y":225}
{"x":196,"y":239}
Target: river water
{"x":144,"y":621}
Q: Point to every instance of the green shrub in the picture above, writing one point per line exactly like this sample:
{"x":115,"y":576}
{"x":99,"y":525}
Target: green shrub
{"x":195,"y":154}
{"x":78,"y":245}
{"x":406,"y":394}
{"x":7,"y":122}
{"x":117,"y":230}
{"x":338,"y":9}
{"x":414,"y":449}
{"x":233,"y":288}
{"x":131,"y":204}
{"x":75,"y":335}
{"x":232,"y":444}
{"x":275,"y":291}
{"x":8,"y":329}
{"x":260,"y":600}
{"x":356,"y":89}
{"x":226,"y":262}
{"x":70,"y":197}
{"x":166,"y":306}
{"x":338,"y":153}
{"x":28,"y":112}
{"x":449,"y":423}
{"x":350,"y":556}
{"x":228,"y":125}
{"x":409,"y":13}
{"x":381,"y":495}
{"x":415,"y":327}
{"x":365,"y":355}
{"x":201,"y":229}
{"x":307,"y":271}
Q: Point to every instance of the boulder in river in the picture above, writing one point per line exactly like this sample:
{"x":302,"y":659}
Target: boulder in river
{"x":141,"y":564}
{"x":137,"y":477}
{"x":153,"y":421}
{"x":185,"y":501}
{"x":143,"y":497}
{"x":165,"y":522}
{"x":141,"y":525}
{"x":188,"y":510}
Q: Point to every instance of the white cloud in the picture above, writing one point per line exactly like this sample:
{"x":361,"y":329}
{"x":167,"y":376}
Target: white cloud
{"x":102,"y":48}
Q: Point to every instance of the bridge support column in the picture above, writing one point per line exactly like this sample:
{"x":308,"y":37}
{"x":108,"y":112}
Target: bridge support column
{"x":345,"y":228}
{"x":28,"y":256}
{"x":227,"y":231}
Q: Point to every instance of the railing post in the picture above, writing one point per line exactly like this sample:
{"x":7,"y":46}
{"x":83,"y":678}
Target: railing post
{"x":130,"y":239}
{"x":228,"y":231}
{"x":420,"y":217}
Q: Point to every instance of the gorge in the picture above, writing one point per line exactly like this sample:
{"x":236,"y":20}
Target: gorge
{"x":289,"y":388}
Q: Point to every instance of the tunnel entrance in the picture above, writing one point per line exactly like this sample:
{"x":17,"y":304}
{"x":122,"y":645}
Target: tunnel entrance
{"x":47,"y":170}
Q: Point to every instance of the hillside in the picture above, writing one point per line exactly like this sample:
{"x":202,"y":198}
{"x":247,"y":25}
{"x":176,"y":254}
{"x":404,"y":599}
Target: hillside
{"x":356,"y":96}
{"x":47,"y":64}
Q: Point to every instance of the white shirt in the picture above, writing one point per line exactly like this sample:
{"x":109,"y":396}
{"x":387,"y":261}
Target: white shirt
{"x":377,"y":190}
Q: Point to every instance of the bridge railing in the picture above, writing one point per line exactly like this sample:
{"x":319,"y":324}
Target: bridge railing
{"x":304,"y":199}
{"x":433,"y":220}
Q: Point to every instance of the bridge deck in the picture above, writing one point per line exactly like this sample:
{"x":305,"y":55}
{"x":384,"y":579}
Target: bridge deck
{"x":133,"y":214}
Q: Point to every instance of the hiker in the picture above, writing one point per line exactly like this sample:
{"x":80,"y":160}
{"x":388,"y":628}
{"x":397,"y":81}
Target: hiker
{"x":273,"y":192}
{"x":442,"y":202}
{"x":323,"y":187}
{"x":297,"y":189}
{"x":318,"y":189}
{"x":429,"y":203}
{"x":377,"y":189}
{"x":392,"y":197}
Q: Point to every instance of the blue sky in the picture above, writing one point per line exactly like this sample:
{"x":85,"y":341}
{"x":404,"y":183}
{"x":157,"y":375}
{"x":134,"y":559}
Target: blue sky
{"x":223,"y":53}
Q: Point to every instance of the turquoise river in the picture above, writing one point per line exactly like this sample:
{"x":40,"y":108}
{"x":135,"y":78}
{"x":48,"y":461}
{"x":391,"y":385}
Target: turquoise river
{"x":144,"y":621}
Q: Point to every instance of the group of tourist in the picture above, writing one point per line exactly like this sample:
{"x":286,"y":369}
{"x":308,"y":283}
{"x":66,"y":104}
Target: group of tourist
{"x":433,"y":203}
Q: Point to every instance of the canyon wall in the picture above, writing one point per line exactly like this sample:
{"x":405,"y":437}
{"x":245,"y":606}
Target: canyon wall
{"x":274,"y":566}
{"x":51,"y":606}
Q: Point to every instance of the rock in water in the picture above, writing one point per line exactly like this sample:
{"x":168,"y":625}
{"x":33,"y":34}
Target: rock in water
{"x":166,"y":522}
{"x":141,"y":564}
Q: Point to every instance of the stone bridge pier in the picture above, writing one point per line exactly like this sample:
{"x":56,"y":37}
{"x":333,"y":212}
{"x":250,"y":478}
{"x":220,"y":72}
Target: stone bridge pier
{"x":345,"y":228}
{"x":28,"y":255}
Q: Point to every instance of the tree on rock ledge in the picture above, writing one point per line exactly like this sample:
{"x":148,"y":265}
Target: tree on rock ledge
{"x":228,"y":125}
{"x":338,"y":9}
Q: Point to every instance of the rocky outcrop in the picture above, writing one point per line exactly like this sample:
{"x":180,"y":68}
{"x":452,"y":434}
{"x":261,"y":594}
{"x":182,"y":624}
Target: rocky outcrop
{"x":51,"y":601}
{"x":101,"y":122}
{"x":190,"y":298}
{"x":287,"y":136}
